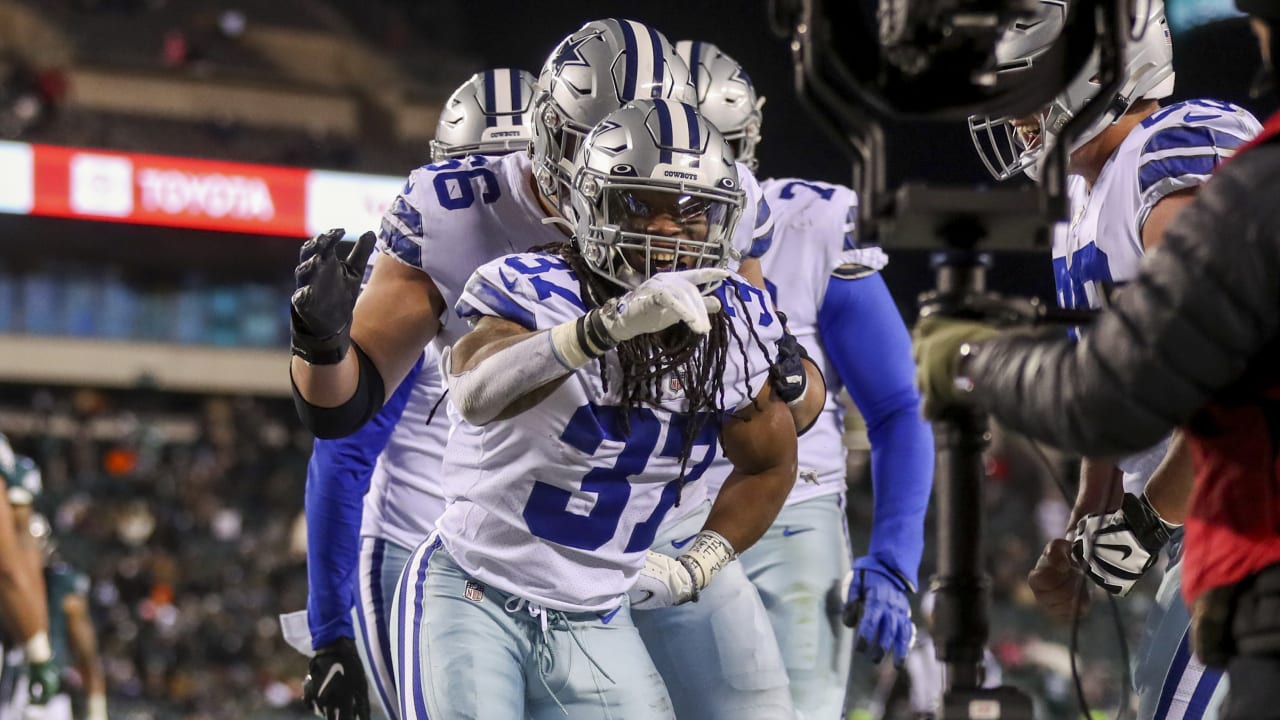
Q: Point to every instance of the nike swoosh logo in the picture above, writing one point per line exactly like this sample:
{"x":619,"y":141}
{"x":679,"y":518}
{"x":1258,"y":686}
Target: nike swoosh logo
{"x":648,"y":595}
{"x":334,"y":670}
{"x":677,"y":544}
{"x":511,"y":284}
{"x":1192,"y":117}
{"x":788,"y":531}
{"x":1125,"y":550}
{"x":605,"y":618}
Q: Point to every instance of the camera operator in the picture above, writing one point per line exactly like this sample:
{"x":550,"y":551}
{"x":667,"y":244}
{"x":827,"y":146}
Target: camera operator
{"x":1191,"y":343}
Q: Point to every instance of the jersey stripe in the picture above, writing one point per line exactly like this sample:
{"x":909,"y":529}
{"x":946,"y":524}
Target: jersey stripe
{"x":481,"y":298}
{"x":1172,"y":171}
{"x":762,"y":235}
{"x":1191,"y":137}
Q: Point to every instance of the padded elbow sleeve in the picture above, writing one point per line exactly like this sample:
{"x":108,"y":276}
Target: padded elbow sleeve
{"x":350,"y":416}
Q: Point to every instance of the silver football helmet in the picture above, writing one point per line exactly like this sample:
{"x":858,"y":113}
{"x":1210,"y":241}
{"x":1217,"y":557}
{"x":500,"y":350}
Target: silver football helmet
{"x":1009,"y":146}
{"x":490,"y":114}
{"x":655,"y":189}
{"x":591,"y":73}
{"x":726,"y":97}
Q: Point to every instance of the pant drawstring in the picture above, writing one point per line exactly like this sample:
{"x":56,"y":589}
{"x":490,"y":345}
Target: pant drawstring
{"x":550,"y":620}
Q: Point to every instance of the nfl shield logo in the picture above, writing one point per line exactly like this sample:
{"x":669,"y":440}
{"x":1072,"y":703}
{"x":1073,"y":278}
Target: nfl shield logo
{"x":474,"y":591}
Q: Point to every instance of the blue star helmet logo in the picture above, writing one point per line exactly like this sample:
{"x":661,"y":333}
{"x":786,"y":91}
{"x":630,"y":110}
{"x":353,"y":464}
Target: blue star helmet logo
{"x":741,"y":75}
{"x":570,"y":52}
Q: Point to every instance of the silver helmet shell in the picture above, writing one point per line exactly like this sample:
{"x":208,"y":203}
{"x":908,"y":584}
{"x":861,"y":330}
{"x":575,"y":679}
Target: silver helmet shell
{"x":490,"y":114}
{"x":726,"y":97}
{"x":651,"y":162}
{"x":1148,"y":74}
{"x":599,"y":68}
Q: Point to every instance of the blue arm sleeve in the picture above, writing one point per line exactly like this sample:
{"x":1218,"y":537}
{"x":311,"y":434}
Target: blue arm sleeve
{"x":337,"y":479}
{"x":868,"y":344}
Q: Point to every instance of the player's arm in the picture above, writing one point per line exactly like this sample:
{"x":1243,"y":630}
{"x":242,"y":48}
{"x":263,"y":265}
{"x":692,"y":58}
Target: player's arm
{"x":28,"y":546}
{"x":338,"y":477}
{"x":22,"y":600}
{"x":1137,"y":531}
{"x":1100,"y":488}
{"x":502,"y":368}
{"x":348,"y":354}
{"x":760,"y":442}
{"x":1162,"y":215}
{"x":83,"y":640}
{"x":868,"y":344}
{"x":1170,"y":486}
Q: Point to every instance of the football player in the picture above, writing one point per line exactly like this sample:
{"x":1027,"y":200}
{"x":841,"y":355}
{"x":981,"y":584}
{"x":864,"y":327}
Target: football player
{"x":72,"y":637}
{"x":22,"y":594}
{"x":393,"y":462}
{"x":457,"y":214}
{"x":1130,"y":173}
{"x":840,"y":310}
{"x":598,"y":381}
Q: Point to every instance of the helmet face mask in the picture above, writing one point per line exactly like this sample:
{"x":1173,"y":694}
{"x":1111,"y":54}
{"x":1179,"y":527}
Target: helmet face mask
{"x":1002,"y":142}
{"x":591,"y":73}
{"x":641,"y":206}
{"x":651,"y":229}
{"x":489,"y":114}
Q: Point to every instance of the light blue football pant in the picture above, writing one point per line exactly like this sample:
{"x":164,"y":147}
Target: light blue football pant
{"x":718,"y":655}
{"x":465,"y":650}
{"x":381,"y":563}
{"x":1170,"y":682}
{"x":795,"y":566}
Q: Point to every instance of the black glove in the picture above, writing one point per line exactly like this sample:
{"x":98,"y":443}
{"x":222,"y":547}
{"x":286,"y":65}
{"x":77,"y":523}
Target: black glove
{"x":787,"y":374}
{"x":44,"y":681}
{"x":335,"y":687}
{"x":327,"y":288}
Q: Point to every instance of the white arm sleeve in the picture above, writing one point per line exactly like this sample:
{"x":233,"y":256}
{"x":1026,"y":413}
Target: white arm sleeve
{"x":483,"y":392}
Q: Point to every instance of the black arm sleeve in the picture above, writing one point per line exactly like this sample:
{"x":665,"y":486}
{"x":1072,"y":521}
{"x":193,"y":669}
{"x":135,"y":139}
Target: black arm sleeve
{"x":345,"y":419}
{"x":1203,"y":308}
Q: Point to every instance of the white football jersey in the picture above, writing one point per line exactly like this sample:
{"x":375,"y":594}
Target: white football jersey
{"x":1176,"y":148}
{"x":814,"y":234}
{"x":559,"y":503}
{"x":454,"y":216}
{"x":406,"y":492}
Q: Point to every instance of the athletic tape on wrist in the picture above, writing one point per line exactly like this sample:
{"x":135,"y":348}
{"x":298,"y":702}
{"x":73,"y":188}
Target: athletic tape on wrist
{"x":708,"y":555}
{"x":38,"y":649}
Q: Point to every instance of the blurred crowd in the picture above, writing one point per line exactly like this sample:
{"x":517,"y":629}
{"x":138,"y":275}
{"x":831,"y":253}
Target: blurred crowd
{"x":185,"y":511}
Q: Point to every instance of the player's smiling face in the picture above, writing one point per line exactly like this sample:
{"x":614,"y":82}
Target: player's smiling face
{"x":668,"y":217}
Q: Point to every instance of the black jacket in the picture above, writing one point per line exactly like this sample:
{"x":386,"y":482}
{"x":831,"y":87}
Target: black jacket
{"x":1199,"y":322}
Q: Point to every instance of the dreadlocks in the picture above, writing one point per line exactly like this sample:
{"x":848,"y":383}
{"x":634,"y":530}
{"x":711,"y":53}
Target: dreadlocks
{"x":646,"y":360}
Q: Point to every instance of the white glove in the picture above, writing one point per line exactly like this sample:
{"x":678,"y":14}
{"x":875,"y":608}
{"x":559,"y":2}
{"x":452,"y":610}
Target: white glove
{"x":662,"y":301}
{"x":1115,"y":549}
{"x":663,"y":582}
